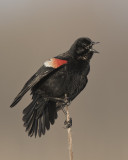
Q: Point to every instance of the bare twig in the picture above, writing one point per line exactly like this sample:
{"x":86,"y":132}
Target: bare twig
{"x":69,"y":137}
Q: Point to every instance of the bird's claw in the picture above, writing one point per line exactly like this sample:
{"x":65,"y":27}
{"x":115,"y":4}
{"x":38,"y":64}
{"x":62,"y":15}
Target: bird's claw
{"x":68,"y":124}
{"x":67,"y":101}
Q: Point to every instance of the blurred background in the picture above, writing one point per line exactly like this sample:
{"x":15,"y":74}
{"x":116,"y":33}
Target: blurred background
{"x":34,"y":31}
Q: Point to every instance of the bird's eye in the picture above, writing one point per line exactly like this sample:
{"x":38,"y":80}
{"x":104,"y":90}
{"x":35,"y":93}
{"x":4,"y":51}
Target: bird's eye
{"x":88,"y":47}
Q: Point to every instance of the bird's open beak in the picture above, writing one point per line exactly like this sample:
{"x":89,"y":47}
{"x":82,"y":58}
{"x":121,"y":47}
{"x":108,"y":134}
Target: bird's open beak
{"x":95,"y":43}
{"x":93,"y":50}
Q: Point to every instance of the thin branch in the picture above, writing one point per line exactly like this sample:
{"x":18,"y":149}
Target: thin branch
{"x":69,"y":137}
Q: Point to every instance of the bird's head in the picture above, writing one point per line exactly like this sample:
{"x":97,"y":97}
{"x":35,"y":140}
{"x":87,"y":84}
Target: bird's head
{"x":82,"y":48}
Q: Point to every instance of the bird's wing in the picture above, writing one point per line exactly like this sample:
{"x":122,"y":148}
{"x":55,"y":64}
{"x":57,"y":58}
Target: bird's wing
{"x":49,"y":67}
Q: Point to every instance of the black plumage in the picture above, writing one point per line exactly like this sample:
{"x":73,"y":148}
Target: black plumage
{"x":65,"y":74}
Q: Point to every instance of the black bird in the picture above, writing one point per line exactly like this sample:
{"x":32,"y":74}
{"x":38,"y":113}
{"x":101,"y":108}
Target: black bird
{"x":55,"y":85}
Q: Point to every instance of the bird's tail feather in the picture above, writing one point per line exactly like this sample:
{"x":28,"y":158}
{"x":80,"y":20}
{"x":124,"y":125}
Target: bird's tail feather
{"x":38,"y":115}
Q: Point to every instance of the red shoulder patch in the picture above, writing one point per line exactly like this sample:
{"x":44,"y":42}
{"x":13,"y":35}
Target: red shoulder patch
{"x":55,"y":63}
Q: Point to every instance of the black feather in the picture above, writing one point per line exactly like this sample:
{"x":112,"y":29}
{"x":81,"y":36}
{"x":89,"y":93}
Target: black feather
{"x":33,"y":114}
{"x":52,"y":110}
{"x":40,"y":109}
{"x":36,"y":126}
{"x":31,"y":131}
{"x":40,"y":125}
{"x":30,"y":106}
{"x":27,"y":116}
{"x":43,"y":123}
{"x":55,"y":115}
{"x":47,"y":124}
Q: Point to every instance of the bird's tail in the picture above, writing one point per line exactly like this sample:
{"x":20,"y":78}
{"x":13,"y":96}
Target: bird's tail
{"x":38,"y":115}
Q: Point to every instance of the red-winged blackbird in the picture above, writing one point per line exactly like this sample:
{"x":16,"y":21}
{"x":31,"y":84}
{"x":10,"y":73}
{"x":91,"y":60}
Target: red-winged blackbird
{"x":56,"y":84}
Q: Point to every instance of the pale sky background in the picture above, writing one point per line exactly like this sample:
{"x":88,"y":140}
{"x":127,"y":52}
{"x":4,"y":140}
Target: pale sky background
{"x":34,"y":31}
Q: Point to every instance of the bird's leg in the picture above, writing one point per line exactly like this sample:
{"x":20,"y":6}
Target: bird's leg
{"x":65,"y":101}
{"x":55,"y":99}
